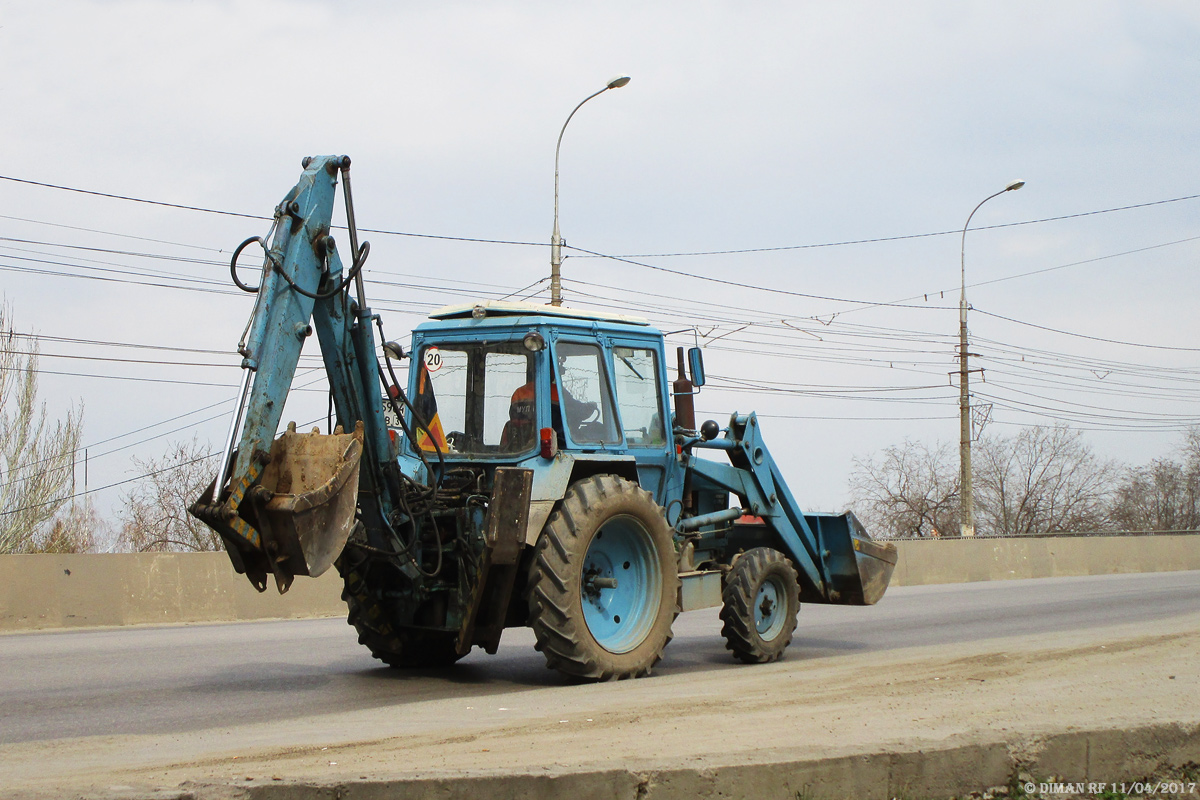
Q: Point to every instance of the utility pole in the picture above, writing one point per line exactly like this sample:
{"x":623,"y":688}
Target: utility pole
{"x":966,"y":490}
{"x":966,"y":484}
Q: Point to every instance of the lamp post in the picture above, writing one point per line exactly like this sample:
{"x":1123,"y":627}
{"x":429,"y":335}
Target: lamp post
{"x":555,"y":238}
{"x":967,"y":513}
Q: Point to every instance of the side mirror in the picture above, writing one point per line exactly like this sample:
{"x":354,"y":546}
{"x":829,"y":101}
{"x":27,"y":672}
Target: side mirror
{"x":696,"y":366}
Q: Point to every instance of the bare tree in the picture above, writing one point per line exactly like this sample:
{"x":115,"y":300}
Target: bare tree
{"x":1160,"y":496}
{"x":154,"y":516}
{"x":1041,"y":480}
{"x":74,"y":530}
{"x":1190,"y":454}
{"x":910,"y":490}
{"x":37,"y":454}
{"x":1163,"y":495}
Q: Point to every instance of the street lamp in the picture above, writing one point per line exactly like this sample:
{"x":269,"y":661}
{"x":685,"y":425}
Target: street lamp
{"x":967,"y":513}
{"x":555,"y":238}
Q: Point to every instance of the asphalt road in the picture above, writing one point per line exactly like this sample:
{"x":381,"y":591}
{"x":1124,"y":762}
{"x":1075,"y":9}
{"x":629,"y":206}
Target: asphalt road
{"x":202,"y":677}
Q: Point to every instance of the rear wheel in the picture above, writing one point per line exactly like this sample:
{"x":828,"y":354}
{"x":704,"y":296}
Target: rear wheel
{"x":761,"y":600}
{"x":394,"y":645}
{"x":603,"y":587}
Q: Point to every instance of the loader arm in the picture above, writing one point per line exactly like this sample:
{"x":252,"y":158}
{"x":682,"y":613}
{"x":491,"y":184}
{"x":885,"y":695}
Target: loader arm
{"x":837,"y":561}
{"x":286,"y":507}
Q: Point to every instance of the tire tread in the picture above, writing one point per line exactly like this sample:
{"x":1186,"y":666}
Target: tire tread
{"x":737,"y":610}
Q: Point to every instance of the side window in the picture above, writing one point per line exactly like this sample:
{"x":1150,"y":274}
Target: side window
{"x":583,"y":391}
{"x":636,"y":380}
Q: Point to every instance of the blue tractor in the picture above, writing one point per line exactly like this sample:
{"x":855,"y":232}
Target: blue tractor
{"x":539,"y":469}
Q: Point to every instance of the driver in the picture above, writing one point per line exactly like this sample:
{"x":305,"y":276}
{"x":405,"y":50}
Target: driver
{"x":522,"y":417}
{"x":518,"y":432}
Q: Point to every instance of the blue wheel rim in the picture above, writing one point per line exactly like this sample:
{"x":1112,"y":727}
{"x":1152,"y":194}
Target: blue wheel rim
{"x":619,"y":618}
{"x":770,"y":609}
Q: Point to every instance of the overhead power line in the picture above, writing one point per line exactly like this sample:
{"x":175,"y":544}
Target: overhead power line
{"x":131,"y":378}
{"x":902,"y":237}
{"x":110,"y":233}
{"x":1085,"y":336}
{"x":110,"y":196}
{"x":734,"y":251}
{"x":744,"y":285}
{"x":1084,"y":261}
{"x":110,"y":251}
{"x":242,"y":215}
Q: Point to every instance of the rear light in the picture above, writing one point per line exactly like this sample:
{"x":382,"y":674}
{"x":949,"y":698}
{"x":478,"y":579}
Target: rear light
{"x":549,"y":442}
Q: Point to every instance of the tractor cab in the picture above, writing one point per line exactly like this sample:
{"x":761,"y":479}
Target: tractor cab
{"x":508,"y":380}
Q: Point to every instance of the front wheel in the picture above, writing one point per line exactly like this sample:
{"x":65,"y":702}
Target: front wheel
{"x":603,"y":588}
{"x":761,"y":600}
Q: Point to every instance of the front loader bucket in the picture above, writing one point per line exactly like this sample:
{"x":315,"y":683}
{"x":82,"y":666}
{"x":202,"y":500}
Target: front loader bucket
{"x":875,"y":561}
{"x":314,"y":479}
{"x":860,"y":568}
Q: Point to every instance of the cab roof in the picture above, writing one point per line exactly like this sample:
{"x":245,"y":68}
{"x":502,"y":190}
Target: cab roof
{"x":517,"y":308}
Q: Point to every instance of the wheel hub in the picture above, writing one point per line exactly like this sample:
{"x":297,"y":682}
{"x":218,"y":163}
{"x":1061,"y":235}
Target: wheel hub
{"x":768,"y":617}
{"x":620,"y":585}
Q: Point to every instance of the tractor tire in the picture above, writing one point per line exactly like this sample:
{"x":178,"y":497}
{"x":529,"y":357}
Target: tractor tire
{"x":392,"y":644}
{"x":610,"y":531}
{"x":760,"y":603}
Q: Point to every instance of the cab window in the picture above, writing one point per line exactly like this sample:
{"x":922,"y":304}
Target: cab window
{"x":582,"y":387}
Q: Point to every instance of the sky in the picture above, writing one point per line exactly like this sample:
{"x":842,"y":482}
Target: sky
{"x":837,"y":147}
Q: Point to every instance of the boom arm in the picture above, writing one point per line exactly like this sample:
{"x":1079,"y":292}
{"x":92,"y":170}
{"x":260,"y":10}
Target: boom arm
{"x":287,"y":506}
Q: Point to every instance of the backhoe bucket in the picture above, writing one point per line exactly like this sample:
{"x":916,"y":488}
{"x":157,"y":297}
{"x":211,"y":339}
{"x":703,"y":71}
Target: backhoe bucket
{"x":860,"y":568}
{"x":314,"y":479}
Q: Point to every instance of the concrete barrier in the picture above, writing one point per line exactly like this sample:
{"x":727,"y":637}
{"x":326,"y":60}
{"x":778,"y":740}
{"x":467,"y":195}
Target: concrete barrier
{"x":75,"y":591}
{"x":984,"y":559}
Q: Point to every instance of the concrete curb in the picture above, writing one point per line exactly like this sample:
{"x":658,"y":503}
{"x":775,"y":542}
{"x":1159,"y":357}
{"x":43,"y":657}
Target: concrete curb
{"x":1033,"y":762}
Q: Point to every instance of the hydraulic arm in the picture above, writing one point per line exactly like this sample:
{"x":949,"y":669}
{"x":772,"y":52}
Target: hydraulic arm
{"x":286,"y":507}
{"x":836,"y":560}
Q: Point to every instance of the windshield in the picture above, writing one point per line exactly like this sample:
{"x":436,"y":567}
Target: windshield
{"x":474,"y":399}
